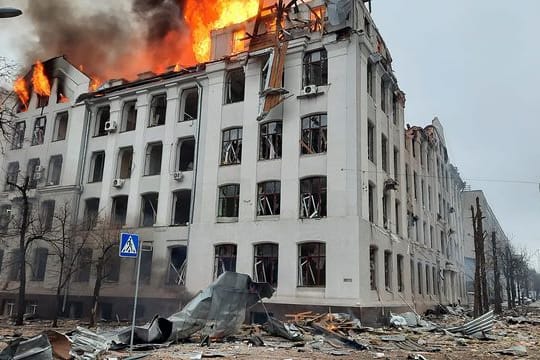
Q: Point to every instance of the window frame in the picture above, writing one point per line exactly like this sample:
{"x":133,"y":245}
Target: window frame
{"x":114,"y":207}
{"x":318,"y":275}
{"x":231,"y":98}
{"x":186,"y":93}
{"x":38,"y":133}
{"x":223,"y":200}
{"x":309,"y":199}
{"x":57,"y":121}
{"x":120,"y":162}
{"x":148,"y":156}
{"x":271,"y":201}
{"x":180,"y":152}
{"x":314,"y":139}
{"x":50,"y":170}
{"x":228,"y":143}
{"x":265,"y":260}
{"x":154,"y":106}
{"x":175,"y":199}
{"x":19,"y":132}
{"x":317,"y":68}
{"x":146,"y":198}
{"x":126,"y":116}
{"x":270,"y":142}
{"x":96,"y":170}
{"x":99,"y":129}
{"x":229,"y":252}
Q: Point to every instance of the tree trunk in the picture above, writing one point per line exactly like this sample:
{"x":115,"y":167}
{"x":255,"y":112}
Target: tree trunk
{"x":496,"y":274}
{"x":21,"y":299}
{"x":477,"y":282}
{"x":95,"y":296}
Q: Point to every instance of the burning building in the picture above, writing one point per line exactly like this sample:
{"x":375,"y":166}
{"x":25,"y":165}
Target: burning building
{"x":283,"y":154}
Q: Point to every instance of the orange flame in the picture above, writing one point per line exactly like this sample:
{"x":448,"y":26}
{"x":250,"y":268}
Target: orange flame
{"x":39,"y":80}
{"x":94,"y":84}
{"x":21,"y":90}
{"x":63,"y":99}
{"x":204,"y":16}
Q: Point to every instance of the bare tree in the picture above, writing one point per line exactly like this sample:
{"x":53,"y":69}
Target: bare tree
{"x":481,"y":300}
{"x":8,"y":99}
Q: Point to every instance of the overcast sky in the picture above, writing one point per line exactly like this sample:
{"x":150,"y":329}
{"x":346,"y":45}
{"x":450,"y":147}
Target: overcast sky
{"x":472,"y":63}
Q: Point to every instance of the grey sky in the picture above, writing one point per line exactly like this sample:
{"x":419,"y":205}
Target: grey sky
{"x":474,"y":64}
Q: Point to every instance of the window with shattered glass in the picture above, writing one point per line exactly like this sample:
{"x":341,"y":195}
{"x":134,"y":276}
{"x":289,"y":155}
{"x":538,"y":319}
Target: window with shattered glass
{"x":158,"y":110}
{"x":269,"y":197}
{"x":229,"y":197}
{"x":177,"y":265}
{"x":314,"y":134}
{"x":149,"y":209}
{"x":270,"y":140}
{"x":312,"y":264}
{"x":38,"y":134}
{"x":315,"y":68}
{"x":18,"y":135}
{"x":231,"y":146}
{"x":265,"y":263}
{"x":224,"y":259}
{"x":313,"y":197}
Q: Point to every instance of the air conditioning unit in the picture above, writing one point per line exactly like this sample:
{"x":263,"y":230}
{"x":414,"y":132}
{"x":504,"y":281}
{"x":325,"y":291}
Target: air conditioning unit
{"x":110,"y":126}
{"x":178,"y":176}
{"x":309,"y":90}
{"x":118,"y":183}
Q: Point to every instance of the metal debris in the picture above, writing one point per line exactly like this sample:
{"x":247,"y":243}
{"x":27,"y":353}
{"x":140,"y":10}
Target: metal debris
{"x":482,"y":323}
{"x":36,"y":348}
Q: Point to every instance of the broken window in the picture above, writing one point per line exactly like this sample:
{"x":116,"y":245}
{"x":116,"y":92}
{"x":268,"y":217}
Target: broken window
{"x":153,"y":159}
{"x":428,"y":283}
{"x":34,"y":172}
{"x":314,"y":134}
{"x":15,"y":262}
{"x":396,"y":164}
{"x":61,"y":91}
{"x":177,"y":265}
{"x":129,"y":116}
{"x":415,"y":185}
{"x":407,"y":180}
{"x":38,"y":134}
{"x":43,"y":100}
{"x":265,"y":263}
{"x":102,"y":117}
{"x":435,"y":282}
{"x":18,"y":135}
{"x":429,"y":197}
{"x":235,"y":86}
{"x":39,"y":264}
{"x":97,"y":165}
{"x":443,"y":243}
{"x":388,"y":270}
{"x":398,"y":217}
{"x":111,"y":269}
{"x":181,"y":207}
{"x":125,"y":162}
{"x":190,"y":105}
{"x":270,"y":140}
{"x":229,"y":196}
{"x":385,"y":200}
{"x":383,"y":96}
{"x":316,"y":18}
{"x":371,"y":202}
{"x":231,"y":147}
{"x":313,"y":197}
{"x":422,"y":192}
{"x":269,"y":194}
{"x":84,"y":265}
{"x":12,"y":175}
{"x":371,"y":141}
{"x":158,"y":110}
{"x":5,"y":218}
{"x":431,"y":235}
{"x":47,"y":214}
{"x":186,"y":154}
{"x":315,"y":68}
{"x":60,"y":126}
{"x":369,"y":78}
{"x":384,"y":152}
{"x":225,"y":259}
{"x":401,"y":288}
{"x":149,"y":209}
{"x":373,"y":267}
{"x":411,"y":268}
{"x":419,"y":267}
{"x":119,"y":209}
{"x":147,"y":253}
{"x":312,"y":264}
{"x":91,"y":212}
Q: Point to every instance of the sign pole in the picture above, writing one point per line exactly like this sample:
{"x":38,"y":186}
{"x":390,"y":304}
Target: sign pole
{"x":139,"y":255}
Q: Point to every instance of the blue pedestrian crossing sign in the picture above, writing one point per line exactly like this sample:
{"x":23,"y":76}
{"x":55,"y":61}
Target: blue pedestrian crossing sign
{"x":129,"y":245}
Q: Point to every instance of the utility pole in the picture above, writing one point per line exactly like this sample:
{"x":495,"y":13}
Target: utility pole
{"x":496,"y":274}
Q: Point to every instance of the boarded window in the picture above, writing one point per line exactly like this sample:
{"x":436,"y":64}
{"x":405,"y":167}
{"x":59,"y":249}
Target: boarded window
{"x":125,"y":162}
{"x":225,"y":259}
{"x":38,"y":134}
{"x":177,"y":265}
{"x":315,"y":68}
{"x":269,"y":196}
{"x":235,"y":86}
{"x":270,"y":140}
{"x":231,"y":147}
{"x":60,"y":126}
{"x":97,"y":165}
{"x":312,"y":264}
{"x":119,"y":209}
{"x":91,"y":212}
{"x":149,"y":209}
{"x":229,"y":196}
{"x":55,"y":170}
{"x":47,"y":215}
{"x":84,"y":265}
{"x":158,"y":110}
{"x":129,"y":116}
{"x":39,"y":264}
{"x":265,"y":263}
{"x":181,"y":207}
{"x":313,"y":197}
{"x":186,"y":154}
{"x":17,"y":140}
{"x":153,"y":159}
{"x":373,"y":267}
{"x":190,"y":105}
{"x":102,"y":117}
{"x":314,"y":134}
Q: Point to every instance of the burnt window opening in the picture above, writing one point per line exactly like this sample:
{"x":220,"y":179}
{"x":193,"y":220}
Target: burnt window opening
{"x":312,"y":264}
{"x":314,"y":134}
{"x":17,"y":140}
{"x":47,"y":215}
{"x":269,"y":198}
{"x":119,"y":209}
{"x":373,"y":267}
{"x":384,"y":152}
{"x":38,"y":134}
{"x":12,"y":175}
{"x":224,"y":259}
{"x":400,"y":284}
{"x":186,"y":154}
{"x":270,"y":140}
{"x":102,"y":117}
{"x":371,"y":202}
{"x":231,"y":146}
{"x":61,"y":96}
{"x":149,"y":208}
{"x":369,"y":79}
{"x":129,"y":116}
{"x":229,"y":198}
{"x":313,"y":197}
{"x":60,"y":126}
{"x":125,"y":163}
{"x":39,"y":264}
{"x":5,"y":219}
{"x":315,"y":68}
{"x":34,"y":172}
{"x":111,"y":269}
{"x":383,"y":96}
{"x":154,"y":153}
{"x":235,"y":86}
{"x":419,"y":272}
{"x":265,"y":263}
{"x":190,"y":105}
{"x":181,"y":207}
{"x":91,"y":212}
{"x":371,"y":141}
{"x":84,"y":264}
{"x":15,"y":262}
{"x":158,"y":110}
{"x":97,"y":165}
{"x":388,"y":270}
{"x":147,"y":253}
{"x":177,"y":265}
{"x":43,"y":101}
{"x":385,"y":200}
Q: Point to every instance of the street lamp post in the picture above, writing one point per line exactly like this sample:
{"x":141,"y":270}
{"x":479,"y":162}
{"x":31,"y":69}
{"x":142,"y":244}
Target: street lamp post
{"x":9,"y":12}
